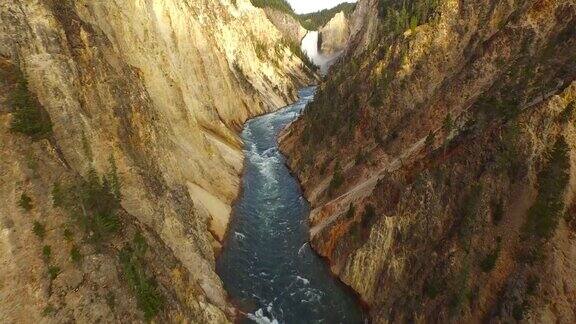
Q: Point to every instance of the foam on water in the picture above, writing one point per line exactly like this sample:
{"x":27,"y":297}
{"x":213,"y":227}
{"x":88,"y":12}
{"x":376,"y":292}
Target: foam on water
{"x":267,"y":266}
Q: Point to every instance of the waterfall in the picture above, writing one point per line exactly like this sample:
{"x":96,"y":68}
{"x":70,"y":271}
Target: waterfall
{"x":310,"y":47}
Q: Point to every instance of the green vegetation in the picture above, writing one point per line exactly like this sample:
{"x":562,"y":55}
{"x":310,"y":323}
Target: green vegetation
{"x":518,"y":311}
{"x":429,"y":142}
{"x":150,"y":301}
{"x":39,"y":229}
{"x":489,"y":262}
{"x":532,"y":285}
{"x":468,"y":214}
{"x":93,"y":201}
{"x":25,"y":202}
{"x":459,"y":289}
{"x":297,"y":50}
{"x":280,"y":5}
{"x":111,"y":300}
{"x":261,"y":51}
{"x":337,"y":179}
{"x":497,"y":211}
{"x":57,"y":195}
{"x":316,"y":20}
{"x":568,"y":113}
{"x":29,"y":118}
{"x":310,"y":21}
{"x":545,"y":213}
{"x":68,"y":235}
{"x":368,"y":216}
{"x":75,"y":254}
{"x":448,"y":123}
{"x":498,"y":107}
{"x":53,"y":272}
{"x":400,"y":15}
{"x":434,"y":286}
{"x":32,"y":163}
{"x":510,"y":160}
{"x":48,"y":310}
{"x":46,"y":253}
{"x":350,"y":212}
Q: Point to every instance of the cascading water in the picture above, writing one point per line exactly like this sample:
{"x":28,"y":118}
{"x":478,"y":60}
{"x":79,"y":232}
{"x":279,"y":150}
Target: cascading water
{"x":267,"y":266}
{"x":310,"y":48}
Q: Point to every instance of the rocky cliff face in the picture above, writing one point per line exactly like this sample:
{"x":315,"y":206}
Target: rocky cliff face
{"x":334,"y":35}
{"x":439,"y":159}
{"x":286,"y":24}
{"x":143,"y":96}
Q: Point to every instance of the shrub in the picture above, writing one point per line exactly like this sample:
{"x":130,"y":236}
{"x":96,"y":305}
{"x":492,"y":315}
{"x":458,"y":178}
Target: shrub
{"x":567,"y":114}
{"x":150,"y":301}
{"x":111,"y":300}
{"x":429,"y":141}
{"x":459,"y":289}
{"x":468,"y":212}
{"x":497,"y":212}
{"x":448,"y":123}
{"x":94,"y":201}
{"x":498,"y":107}
{"x":53,"y":272}
{"x":518,"y":311}
{"x":544,"y":214}
{"x":510,"y":159}
{"x":46,"y":253}
{"x":39,"y":229}
{"x":368,"y":216}
{"x":434,"y":286}
{"x":260,"y":49}
{"x":48,"y":310}
{"x":25,"y":202}
{"x":75,"y":255}
{"x":68,"y":235}
{"x":57,"y":195}
{"x":350,"y":212}
{"x":337,"y":180}
{"x":297,"y":50}
{"x":489,"y":262}
{"x":139,"y":243}
{"x":29,"y":118}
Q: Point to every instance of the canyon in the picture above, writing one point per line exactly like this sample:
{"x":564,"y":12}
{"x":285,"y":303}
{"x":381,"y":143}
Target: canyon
{"x":144,"y":162}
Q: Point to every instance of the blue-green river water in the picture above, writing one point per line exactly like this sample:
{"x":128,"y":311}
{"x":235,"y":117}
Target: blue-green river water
{"x":268,"y":268}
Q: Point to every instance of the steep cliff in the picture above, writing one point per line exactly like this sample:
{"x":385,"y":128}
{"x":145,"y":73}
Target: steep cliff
{"x":132,"y":157}
{"x":287,"y":24}
{"x":334,"y":35}
{"x":439,"y":159}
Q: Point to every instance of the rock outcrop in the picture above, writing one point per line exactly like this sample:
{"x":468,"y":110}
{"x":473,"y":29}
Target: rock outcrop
{"x":438,"y":157}
{"x":333,"y":36}
{"x":155,"y":93}
{"x":286,"y":24}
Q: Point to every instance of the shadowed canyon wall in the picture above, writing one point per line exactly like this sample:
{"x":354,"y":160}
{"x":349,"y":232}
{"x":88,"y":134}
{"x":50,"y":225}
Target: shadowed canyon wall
{"x":438,"y":157}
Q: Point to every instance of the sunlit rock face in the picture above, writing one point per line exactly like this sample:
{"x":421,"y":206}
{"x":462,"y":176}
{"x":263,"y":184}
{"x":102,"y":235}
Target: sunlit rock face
{"x":163,"y":87}
{"x":286,"y":24}
{"x":334,"y":35}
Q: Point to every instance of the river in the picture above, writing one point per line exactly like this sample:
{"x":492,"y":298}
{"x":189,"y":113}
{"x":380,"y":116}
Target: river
{"x":267,"y":265}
